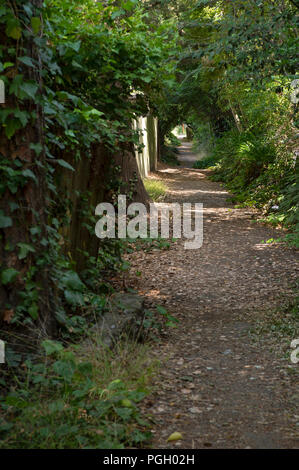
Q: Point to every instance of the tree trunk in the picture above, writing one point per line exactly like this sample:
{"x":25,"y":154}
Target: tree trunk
{"x":26,"y":206}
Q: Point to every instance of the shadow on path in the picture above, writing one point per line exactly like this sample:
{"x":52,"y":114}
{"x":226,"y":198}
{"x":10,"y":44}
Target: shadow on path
{"x":217,"y":386}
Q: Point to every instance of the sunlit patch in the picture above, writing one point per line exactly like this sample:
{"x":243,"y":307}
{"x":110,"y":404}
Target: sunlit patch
{"x":170,"y":170}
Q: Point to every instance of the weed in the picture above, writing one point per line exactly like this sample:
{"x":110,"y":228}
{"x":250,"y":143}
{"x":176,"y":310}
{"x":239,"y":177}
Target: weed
{"x":156,"y":189}
{"x":78,"y":397}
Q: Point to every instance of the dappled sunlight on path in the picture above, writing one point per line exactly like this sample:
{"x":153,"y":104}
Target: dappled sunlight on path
{"x":218,"y":387}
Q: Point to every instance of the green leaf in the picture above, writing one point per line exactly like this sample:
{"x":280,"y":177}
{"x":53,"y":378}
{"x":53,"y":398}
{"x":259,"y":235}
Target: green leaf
{"x":30,"y":89}
{"x":124,"y":413}
{"x":65,"y":369}
{"x":146,"y":79}
{"x":161,"y":310}
{"x":36,"y":24}
{"x":24,"y":250}
{"x":35,"y":230}
{"x":28,"y":9}
{"x":5,"y":221}
{"x":129,"y":5}
{"x":8,"y":275}
{"x":65,"y":164}
{"x":11,"y":126}
{"x":13,"y":28}
{"x":71,"y":280}
{"x":175,"y":436}
{"x":27,"y":61}
{"x":5,"y":65}
{"x":33,"y":311}
{"x":37,"y":148}
{"x":28,"y":173}
{"x":13,"y":206}
{"x":74,"y":297}
{"x":22,"y":116}
{"x":75,"y":45}
{"x":51,"y":347}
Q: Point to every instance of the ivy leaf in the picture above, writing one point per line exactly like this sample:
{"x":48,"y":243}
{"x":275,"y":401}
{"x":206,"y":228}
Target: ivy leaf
{"x":8,"y":275}
{"x":77,"y":65}
{"x":22,"y":116}
{"x":146,"y":79}
{"x":11,"y":127}
{"x":124,"y":413}
{"x":65,"y":164}
{"x":29,"y":88}
{"x":74,"y":297}
{"x":28,"y":173}
{"x":28,"y":9}
{"x":35,"y":230}
{"x":33,"y":311}
{"x":71,"y":280}
{"x":37,"y":148}
{"x":24,"y":250}
{"x":5,"y":221}
{"x":75,"y":45}
{"x":27,"y":61}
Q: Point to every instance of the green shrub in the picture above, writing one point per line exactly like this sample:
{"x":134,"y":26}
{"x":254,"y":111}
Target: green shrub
{"x":172,"y":140}
{"x":87,"y":400}
{"x":206,"y":162}
{"x":260,"y":172}
{"x":169,"y":155}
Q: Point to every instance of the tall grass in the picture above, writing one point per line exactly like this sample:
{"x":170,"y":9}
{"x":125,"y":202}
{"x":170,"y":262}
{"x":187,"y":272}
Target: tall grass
{"x":156,"y":189}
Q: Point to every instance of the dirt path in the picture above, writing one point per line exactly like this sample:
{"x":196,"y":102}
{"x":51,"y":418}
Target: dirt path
{"x":186,"y":157}
{"x":217,"y":386}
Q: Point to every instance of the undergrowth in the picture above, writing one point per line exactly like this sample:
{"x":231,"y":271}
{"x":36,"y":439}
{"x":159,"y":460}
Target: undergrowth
{"x":263,"y":173}
{"x":78,"y":397}
{"x":206,"y":162}
{"x":156,"y":189}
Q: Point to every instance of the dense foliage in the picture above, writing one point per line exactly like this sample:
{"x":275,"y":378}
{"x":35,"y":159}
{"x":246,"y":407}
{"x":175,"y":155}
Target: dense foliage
{"x":237,"y":60}
{"x":76,"y":74}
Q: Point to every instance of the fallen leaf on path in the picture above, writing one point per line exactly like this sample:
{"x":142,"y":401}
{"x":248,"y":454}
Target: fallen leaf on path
{"x":175,"y":436}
